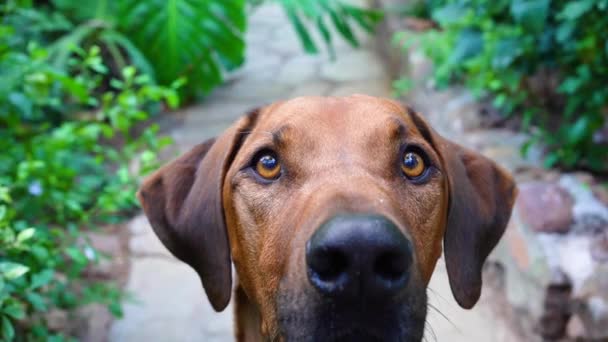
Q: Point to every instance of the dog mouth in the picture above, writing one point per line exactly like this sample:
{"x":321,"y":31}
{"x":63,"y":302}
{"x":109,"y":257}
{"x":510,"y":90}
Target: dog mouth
{"x":331,"y":321}
{"x":354,"y":334}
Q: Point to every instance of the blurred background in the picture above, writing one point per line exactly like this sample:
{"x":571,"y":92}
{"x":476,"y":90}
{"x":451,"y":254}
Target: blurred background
{"x":95,"y":95}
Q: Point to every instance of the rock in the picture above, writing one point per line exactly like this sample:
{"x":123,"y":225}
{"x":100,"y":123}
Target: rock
{"x":589,"y":224}
{"x":601,"y":193}
{"x":93,"y":323}
{"x":556,"y":315}
{"x":299,"y":70}
{"x":583,"y":177}
{"x":252,"y":91}
{"x":569,"y":254}
{"x":594,"y":311}
{"x":599,"y":247}
{"x":378,"y":87}
{"x":585,"y":201}
{"x":314,"y":88}
{"x":56,"y":320}
{"x":546,"y":207}
{"x":105,"y":243}
{"x":356,"y":66}
{"x":259,"y":66}
{"x":575,"y":328}
{"x":527,"y":268}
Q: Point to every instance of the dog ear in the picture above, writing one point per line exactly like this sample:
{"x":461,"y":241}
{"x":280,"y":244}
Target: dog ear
{"x":481,"y":197}
{"x":183,"y":202}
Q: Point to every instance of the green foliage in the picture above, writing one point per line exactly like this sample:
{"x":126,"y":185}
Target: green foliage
{"x":169,"y":39}
{"x":322,"y":14}
{"x":544,"y":60}
{"x":67,"y":138}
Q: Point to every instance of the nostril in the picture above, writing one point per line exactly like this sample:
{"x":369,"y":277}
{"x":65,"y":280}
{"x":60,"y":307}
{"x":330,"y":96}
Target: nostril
{"x":328,"y":264}
{"x":391,"y":266}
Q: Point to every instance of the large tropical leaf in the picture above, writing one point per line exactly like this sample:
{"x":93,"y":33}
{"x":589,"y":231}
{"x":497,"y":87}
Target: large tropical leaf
{"x":196,"y":39}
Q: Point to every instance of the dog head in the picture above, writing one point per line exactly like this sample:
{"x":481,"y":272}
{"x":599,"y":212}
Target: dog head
{"x":334,"y":212}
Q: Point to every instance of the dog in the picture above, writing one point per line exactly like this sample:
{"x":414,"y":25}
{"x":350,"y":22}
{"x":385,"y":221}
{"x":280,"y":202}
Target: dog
{"x":334,"y":211}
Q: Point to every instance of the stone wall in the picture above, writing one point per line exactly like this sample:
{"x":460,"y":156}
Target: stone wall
{"x":554,"y":255}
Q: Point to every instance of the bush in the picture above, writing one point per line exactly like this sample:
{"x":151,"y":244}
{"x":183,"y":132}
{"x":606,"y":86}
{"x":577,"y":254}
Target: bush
{"x":66,"y":139}
{"x":545,"y":61}
{"x":72,"y":112}
{"x":197,"y":39}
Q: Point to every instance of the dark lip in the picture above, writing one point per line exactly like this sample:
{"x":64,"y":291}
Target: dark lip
{"x":355,"y":334}
{"x":362,"y":325}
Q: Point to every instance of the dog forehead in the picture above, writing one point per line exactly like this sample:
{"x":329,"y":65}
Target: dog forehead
{"x":335,"y":116}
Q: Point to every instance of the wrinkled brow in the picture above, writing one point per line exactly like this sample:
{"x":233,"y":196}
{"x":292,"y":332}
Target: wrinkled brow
{"x":279,"y":135}
{"x":398,"y":128}
{"x":420,"y":125}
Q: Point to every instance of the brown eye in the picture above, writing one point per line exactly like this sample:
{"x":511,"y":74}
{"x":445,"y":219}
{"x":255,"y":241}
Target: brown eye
{"x":268,"y":166}
{"x":413,"y":165}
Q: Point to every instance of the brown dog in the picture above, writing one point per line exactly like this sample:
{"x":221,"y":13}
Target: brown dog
{"x":333,"y":211}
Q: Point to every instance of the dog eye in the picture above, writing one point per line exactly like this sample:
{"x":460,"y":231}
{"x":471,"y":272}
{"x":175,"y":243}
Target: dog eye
{"x":412,"y":165}
{"x":268,"y":166}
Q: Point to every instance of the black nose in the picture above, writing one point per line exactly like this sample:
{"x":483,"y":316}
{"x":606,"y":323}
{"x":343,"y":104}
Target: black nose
{"x":356,"y":256}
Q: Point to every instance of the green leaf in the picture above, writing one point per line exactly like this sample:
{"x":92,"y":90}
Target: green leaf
{"x":136,"y":56}
{"x":532,"y":14}
{"x":21,"y":102}
{"x":41,"y":279}
{"x":564,"y":32}
{"x":12,"y":270}
{"x":551,"y":160}
{"x":36,"y":300}
{"x":15,"y":310}
{"x":315,"y":12}
{"x":367,"y":19}
{"x":469,"y":44}
{"x":115,"y":309}
{"x":76,"y":255}
{"x":343,"y":27}
{"x":8,"y":332}
{"x":449,"y":14}
{"x":305,"y":38}
{"x":25,"y":234}
{"x":326,"y":36}
{"x":574,"y":9}
{"x":507,"y":50}
{"x":186,"y":37}
{"x":579,"y":130}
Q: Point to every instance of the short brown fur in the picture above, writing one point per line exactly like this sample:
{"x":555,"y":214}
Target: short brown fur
{"x":207,"y":209}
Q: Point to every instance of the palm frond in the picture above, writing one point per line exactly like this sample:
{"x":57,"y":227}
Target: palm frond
{"x":321,"y":15}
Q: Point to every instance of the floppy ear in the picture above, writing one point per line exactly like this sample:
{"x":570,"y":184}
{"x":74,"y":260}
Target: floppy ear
{"x":183,"y":202}
{"x":481,"y":197}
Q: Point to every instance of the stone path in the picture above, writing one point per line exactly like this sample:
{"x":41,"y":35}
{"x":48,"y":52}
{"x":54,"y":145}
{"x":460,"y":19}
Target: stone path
{"x":168,"y":302}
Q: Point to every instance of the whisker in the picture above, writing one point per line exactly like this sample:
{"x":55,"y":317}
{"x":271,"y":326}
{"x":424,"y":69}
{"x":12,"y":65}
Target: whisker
{"x":438,"y":295}
{"x":428,"y":327}
{"x":444,"y":317}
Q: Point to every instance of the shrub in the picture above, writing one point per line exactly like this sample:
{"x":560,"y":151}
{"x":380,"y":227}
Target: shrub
{"x":197,"y":39}
{"x":62,"y":172}
{"x":543,"y":60}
